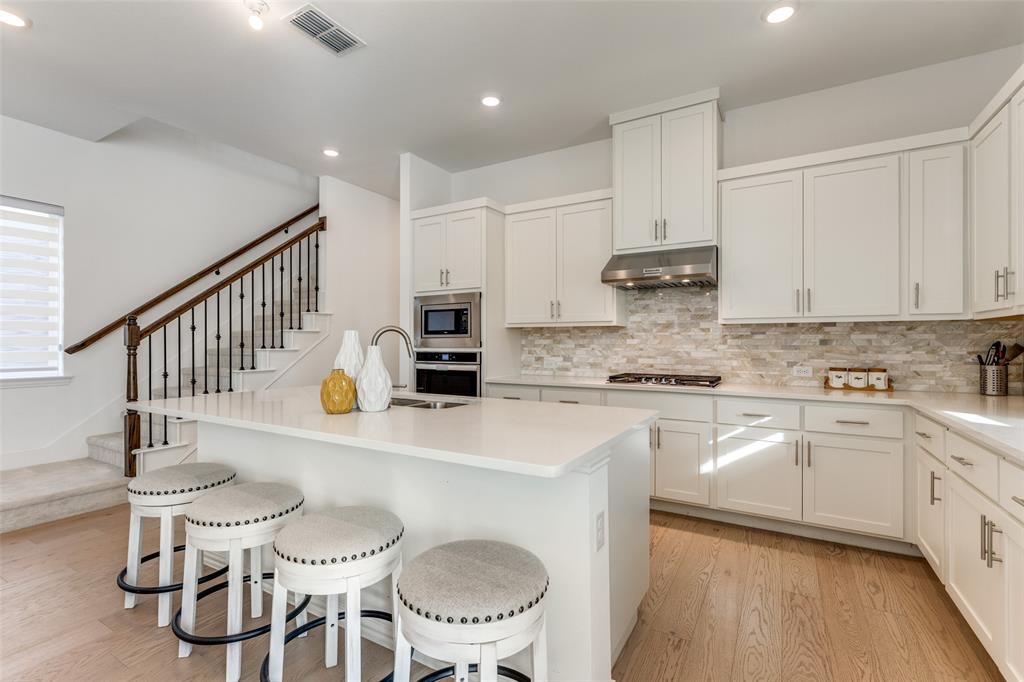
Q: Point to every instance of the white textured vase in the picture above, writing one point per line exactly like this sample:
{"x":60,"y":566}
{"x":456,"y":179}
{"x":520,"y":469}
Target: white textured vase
{"x":373,"y":386}
{"x":350,"y":355}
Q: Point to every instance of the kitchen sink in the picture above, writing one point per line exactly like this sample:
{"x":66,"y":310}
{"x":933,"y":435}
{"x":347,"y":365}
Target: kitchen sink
{"x":423,"y":404}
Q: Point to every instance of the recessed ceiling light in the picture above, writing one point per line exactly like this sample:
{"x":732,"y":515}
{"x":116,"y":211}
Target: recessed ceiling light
{"x":778,"y":13}
{"x":257,"y":8}
{"x":12,"y":19}
{"x":330,"y":151}
{"x":490,"y":101}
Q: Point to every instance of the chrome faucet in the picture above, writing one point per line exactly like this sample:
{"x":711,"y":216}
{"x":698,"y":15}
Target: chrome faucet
{"x":396,"y":329}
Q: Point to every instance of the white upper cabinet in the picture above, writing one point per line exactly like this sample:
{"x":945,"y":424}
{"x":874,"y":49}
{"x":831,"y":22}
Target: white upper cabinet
{"x":636,"y":175}
{"x":852,"y":238}
{"x":687,"y":175}
{"x":762,"y":247}
{"x":553,"y":262}
{"x":530,"y":270}
{"x":936,"y":241}
{"x":993,"y":233}
{"x":663,"y":171}
{"x":448,"y":251}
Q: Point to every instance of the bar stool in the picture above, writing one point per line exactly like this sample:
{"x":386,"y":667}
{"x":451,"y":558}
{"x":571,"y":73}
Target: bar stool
{"x":332,"y":552}
{"x":232,"y":520}
{"x":472,"y":602}
{"x":164,"y":494}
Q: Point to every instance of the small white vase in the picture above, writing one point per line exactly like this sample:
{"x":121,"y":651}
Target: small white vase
{"x":350,"y":355}
{"x":374,"y":383}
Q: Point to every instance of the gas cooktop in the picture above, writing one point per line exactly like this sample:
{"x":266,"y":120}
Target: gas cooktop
{"x":705,"y":380}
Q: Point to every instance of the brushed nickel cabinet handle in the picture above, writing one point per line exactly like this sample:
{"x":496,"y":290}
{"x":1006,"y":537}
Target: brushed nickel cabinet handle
{"x":440,"y":278}
{"x":558,"y":309}
{"x":510,"y":397}
{"x":923,"y":434}
{"x":961,"y":461}
{"x":447,"y":278}
{"x":552,"y":309}
{"x":997,"y":286}
{"x":917,"y":294}
{"x":1018,"y":500}
{"x":664,"y":229}
{"x":808,"y":299}
{"x":984,"y":528}
{"x":808,"y":454}
{"x":855,"y":422}
{"x":992,"y":558}
{"x":931,"y":489}
{"x":753,"y":414}
{"x":570,"y":402}
{"x":655,"y":229}
{"x":796,"y":453}
{"x":1007,"y":272}
{"x":798,"y":300}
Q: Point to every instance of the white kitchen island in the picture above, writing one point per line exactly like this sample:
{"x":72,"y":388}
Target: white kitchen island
{"x":568,"y":482}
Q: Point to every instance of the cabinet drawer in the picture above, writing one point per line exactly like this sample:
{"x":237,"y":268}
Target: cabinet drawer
{"x":1011,"y":489}
{"x":570,"y":395}
{"x":687,"y":407}
{"x":755,"y":413}
{"x":930,"y":436}
{"x":973,"y":463}
{"x":854,"y":421}
{"x":513,"y":392}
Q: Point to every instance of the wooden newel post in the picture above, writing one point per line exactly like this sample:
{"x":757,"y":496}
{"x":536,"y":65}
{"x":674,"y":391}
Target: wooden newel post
{"x":132,"y":419}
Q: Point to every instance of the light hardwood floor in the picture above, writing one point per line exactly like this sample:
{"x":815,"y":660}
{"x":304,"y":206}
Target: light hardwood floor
{"x":725,"y":603}
{"x":733,"y":603}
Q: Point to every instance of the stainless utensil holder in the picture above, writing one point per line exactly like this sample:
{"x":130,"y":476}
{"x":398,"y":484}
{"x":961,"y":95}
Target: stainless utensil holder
{"x":994,"y":380}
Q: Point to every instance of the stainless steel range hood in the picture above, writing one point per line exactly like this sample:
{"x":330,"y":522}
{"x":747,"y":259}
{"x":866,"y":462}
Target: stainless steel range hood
{"x":692,"y":267}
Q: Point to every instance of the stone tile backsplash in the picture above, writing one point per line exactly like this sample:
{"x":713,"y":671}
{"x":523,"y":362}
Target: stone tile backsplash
{"x":677,"y":331}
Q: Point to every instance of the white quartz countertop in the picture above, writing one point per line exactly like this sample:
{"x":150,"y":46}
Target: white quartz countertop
{"x":995,"y":422}
{"x":531,"y":438}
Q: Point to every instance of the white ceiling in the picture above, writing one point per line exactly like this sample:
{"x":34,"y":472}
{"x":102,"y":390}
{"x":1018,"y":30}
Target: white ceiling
{"x":560,"y":67}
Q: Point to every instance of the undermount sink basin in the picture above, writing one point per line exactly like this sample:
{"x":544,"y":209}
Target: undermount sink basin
{"x":423,"y":404}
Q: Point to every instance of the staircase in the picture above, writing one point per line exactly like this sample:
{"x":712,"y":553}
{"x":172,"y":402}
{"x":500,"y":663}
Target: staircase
{"x":242,"y":333}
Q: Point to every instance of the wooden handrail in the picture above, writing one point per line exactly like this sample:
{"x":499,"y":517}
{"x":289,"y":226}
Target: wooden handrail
{"x":114,"y":325}
{"x":230,"y":279}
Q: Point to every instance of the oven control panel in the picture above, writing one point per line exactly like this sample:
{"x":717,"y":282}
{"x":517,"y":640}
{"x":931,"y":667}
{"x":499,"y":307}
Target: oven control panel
{"x":453,"y":357}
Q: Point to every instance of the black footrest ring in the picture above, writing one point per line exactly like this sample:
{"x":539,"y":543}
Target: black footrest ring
{"x":201,"y":640}
{"x":160,"y":589}
{"x":315,"y":623}
{"x":503,"y":671}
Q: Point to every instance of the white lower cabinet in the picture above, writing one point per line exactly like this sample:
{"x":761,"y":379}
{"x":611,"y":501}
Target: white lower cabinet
{"x":975,"y":583}
{"x":758,"y":471}
{"x":854,"y":484}
{"x":930,"y":475}
{"x":1013,"y":565}
{"x":682,"y":461}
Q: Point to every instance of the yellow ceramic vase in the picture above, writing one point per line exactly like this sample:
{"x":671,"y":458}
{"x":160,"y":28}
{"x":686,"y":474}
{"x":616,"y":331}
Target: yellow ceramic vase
{"x":338,"y":393}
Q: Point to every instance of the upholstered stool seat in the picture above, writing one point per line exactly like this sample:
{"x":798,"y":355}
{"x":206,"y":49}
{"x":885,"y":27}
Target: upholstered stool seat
{"x":165,"y":493}
{"x":233,"y":519}
{"x":472,"y":601}
{"x":333,"y":552}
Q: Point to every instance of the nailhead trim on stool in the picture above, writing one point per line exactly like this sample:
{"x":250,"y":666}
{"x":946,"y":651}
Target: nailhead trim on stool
{"x":228,"y":524}
{"x":343,"y":559}
{"x":183,"y":490}
{"x":474,"y":619}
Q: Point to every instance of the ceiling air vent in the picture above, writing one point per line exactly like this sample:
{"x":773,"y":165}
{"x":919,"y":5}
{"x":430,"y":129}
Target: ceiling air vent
{"x":314,"y":23}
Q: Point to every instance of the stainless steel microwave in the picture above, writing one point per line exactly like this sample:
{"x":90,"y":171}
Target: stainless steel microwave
{"x":447,"y":321}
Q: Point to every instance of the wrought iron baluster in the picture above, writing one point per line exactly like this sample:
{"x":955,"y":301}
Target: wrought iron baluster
{"x":316,"y":281}
{"x":300,"y":284}
{"x":149,"y":381}
{"x":252,"y":319}
{"x":241,"y":322}
{"x":165,"y":375}
{"x":291,"y":276}
{"x":192,"y":328}
{"x":218,"y":342}
{"x":179,"y":356}
{"x":273,"y":305}
{"x":309,"y":273}
{"x":281,"y":345}
{"x":263,"y":309}
{"x":230,"y":342}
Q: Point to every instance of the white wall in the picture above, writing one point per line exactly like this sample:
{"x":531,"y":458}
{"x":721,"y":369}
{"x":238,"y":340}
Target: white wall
{"x":144,"y":208}
{"x":580,"y":168}
{"x":930,"y":98}
{"x":359,"y":280}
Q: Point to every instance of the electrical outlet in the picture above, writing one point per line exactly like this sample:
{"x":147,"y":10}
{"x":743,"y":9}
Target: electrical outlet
{"x":803,"y":371}
{"x":600,"y":530}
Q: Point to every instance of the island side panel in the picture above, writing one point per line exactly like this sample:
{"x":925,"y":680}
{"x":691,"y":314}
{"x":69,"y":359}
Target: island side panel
{"x":440,"y":502}
{"x":629,"y":531}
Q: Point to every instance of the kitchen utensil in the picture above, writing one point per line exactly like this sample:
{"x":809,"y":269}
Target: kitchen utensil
{"x":1013,"y":353}
{"x":990,"y":356}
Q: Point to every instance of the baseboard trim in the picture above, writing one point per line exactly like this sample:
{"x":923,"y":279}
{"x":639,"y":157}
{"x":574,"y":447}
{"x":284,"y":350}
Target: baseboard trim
{"x":788,"y":527}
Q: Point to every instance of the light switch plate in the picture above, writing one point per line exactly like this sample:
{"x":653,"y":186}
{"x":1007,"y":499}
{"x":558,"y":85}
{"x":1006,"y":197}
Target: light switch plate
{"x":600,"y":530}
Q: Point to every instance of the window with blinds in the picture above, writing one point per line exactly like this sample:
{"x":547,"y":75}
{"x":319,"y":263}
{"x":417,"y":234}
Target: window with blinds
{"x":30,"y":289}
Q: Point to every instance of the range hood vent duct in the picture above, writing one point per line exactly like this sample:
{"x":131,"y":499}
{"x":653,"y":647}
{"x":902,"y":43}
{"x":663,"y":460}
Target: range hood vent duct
{"x":691,"y":267}
{"x":330,"y":34}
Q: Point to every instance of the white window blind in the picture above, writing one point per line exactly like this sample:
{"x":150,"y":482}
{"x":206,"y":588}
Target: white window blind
{"x":30,"y":289}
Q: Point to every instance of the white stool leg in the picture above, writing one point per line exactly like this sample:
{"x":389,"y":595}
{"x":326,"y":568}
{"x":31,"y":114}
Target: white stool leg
{"x":193,"y":559}
{"x":331,"y":632}
{"x":488,"y":662}
{"x":163,"y":618}
{"x":302,"y":617}
{"x":540,"y":652}
{"x":256,"y":582}
{"x":234,"y":651}
{"x":134,"y":550}
{"x":403,"y":652}
{"x":278,"y":614}
{"x":353,"y":627}
{"x":462,"y":672}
